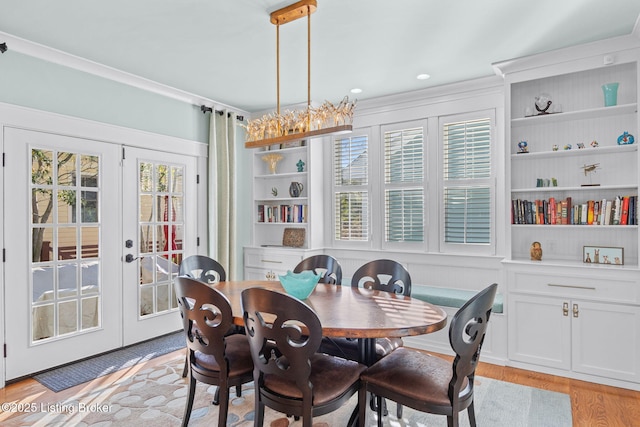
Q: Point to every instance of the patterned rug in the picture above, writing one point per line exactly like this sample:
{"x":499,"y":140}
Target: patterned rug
{"x":156,"y":397}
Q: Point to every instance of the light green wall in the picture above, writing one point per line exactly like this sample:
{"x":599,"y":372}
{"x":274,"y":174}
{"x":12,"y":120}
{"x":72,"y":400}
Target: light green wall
{"x":42,"y":85}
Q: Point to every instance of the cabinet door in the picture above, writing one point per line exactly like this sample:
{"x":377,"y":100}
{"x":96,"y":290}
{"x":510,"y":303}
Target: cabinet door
{"x":251,"y":273}
{"x":540,"y":331}
{"x":606,"y":340}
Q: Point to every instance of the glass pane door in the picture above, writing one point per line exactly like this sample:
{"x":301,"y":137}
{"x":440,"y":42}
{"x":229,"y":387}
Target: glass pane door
{"x":159,"y":227}
{"x":65,"y":240}
{"x":63,"y":265}
{"x":161,"y":223}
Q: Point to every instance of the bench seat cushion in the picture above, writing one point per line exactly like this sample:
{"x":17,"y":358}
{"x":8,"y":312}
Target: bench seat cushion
{"x":450,"y":297}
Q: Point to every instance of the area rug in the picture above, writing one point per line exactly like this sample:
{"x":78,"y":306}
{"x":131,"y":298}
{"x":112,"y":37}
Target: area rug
{"x":76,"y":373}
{"x":156,"y":397}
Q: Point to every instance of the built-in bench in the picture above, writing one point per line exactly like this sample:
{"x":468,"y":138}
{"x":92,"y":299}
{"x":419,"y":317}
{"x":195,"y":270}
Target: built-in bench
{"x":449,"y":297}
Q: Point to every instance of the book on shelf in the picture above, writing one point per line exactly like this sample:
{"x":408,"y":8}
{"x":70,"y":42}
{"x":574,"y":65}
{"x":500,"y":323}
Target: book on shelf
{"x":590,"y":212}
{"x":624,"y":214}
{"x":621,"y":210}
{"x":553,"y":211}
{"x":282,"y":213}
{"x":616,"y":211}
{"x":608,"y":211}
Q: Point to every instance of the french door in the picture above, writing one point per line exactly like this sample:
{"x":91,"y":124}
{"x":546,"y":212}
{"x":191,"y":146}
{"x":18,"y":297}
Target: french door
{"x":61,"y":288}
{"x":93,"y":239}
{"x":158,"y":225}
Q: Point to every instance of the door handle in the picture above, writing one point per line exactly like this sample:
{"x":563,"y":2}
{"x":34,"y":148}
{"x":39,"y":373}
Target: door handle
{"x":130,"y":258}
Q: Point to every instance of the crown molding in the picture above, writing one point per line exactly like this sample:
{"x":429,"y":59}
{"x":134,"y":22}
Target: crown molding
{"x":65,"y":59}
{"x":628,"y":43}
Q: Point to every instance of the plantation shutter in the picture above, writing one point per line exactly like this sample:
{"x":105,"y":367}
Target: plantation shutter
{"x":404,"y":185}
{"x":351,"y":178}
{"x":467,"y":184}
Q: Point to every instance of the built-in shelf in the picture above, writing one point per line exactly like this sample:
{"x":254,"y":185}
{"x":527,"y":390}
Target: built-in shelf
{"x":588,"y":151}
{"x":590,"y":113}
{"x":281,"y":175}
{"x":575,"y":226}
{"x":301,"y":200}
{"x":571,"y":263}
{"x":631,"y":187}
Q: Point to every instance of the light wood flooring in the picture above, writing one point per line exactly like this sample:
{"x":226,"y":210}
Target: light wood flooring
{"x":593,"y":405}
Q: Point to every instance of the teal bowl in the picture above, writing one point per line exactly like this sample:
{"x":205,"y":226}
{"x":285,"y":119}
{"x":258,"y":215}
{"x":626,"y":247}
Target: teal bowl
{"x":299,"y":285}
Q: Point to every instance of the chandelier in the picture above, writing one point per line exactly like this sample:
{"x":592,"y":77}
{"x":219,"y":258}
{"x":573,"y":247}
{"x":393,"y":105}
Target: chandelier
{"x":327,"y":119}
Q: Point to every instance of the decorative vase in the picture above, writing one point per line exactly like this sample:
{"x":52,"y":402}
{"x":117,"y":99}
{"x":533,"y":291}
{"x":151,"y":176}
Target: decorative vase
{"x":610,"y":94}
{"x":295,"y":189}
{"x":625,"y":139}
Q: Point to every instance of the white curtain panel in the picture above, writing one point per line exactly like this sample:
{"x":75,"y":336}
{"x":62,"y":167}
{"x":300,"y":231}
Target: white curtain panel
{"x":222,"y":204}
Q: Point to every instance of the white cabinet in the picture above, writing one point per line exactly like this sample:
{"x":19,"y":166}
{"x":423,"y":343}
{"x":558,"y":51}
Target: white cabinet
{"x":268,"y":263}
{"x":285,"y":198}
{"x":566,"y":316}
{"x":581,"y":322}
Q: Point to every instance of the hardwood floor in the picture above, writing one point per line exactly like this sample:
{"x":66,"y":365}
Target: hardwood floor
{"x":593,"y":405}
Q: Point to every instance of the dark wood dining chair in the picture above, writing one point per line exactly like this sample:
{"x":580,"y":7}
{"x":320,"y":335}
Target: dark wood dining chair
{"x":202,"y":268}
{"x":289,"y":375}
{"x":215,"y":357}
{"x":384,"y":275}
{"x":327,"y":266}
{"x":380,"y":275}
{"x":431,"y":384}
{"x":206,"y":270}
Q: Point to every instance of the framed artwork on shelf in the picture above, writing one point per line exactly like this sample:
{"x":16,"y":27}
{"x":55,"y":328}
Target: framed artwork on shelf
{"x":603,"y":255}
{"x":293,"y":237}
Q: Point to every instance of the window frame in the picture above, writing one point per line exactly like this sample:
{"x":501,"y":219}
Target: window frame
{"x":490,"y":182}
{"x":472,"y":100}
{"x":366,"y":188}
{"x":411,"y":246}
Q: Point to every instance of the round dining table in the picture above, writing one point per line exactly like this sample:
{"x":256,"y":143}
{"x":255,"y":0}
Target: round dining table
{"x":350,"y":312}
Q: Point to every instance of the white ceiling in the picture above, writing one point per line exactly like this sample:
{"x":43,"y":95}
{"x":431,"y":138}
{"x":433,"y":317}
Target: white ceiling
{"x":225,"y":50}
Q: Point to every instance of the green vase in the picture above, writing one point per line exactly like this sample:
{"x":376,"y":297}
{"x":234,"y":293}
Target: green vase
{"x":610,"y":94}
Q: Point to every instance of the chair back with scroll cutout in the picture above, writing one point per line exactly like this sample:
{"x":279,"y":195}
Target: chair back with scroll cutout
{"x":284,"y":335}
{"x":327,"y":266}
{"x":383,"y":275}
{"x":213,"y":355}
{"x":202,"y":268}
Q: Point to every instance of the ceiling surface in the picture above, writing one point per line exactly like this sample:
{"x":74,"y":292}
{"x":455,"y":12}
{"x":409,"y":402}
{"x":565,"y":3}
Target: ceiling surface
{"x":225,"y":50}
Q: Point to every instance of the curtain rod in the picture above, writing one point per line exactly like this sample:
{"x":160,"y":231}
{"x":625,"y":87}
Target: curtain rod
{"x":206,"y":109}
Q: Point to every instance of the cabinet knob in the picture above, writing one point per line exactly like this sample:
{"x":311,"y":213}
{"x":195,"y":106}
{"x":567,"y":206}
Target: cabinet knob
{"x":565,"y":309}
{"x":575,"y":310}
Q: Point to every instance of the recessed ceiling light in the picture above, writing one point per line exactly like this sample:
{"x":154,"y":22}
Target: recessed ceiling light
{"x":422,"y":76}
{"x":356,"y":90}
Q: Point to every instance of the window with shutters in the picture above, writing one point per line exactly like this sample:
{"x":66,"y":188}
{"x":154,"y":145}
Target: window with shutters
{"x":421,"y":185}
{"x":351,"y":188}
{"x":468,"y":184}
{"x":404,"y":184}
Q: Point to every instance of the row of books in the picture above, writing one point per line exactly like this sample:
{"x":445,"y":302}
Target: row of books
{"x":621,"y":210}
{"x":282,"y":213}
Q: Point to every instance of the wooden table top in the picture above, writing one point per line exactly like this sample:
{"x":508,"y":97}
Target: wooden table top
{"x":354,"y":312}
